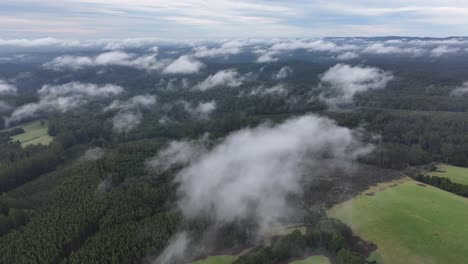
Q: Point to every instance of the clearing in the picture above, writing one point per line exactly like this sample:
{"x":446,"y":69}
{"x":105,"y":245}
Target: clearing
{"x":409,"y":222}
{"x":454,"y":173}
{"x":34,"y":134}
{"x":313,"y":260}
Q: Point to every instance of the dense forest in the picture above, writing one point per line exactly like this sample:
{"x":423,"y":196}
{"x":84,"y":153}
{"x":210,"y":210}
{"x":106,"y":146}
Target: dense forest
{"x":60,"y":203}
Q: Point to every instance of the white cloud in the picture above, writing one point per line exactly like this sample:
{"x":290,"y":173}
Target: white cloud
{"x":184,"y":65}
{"x":63,"y":98}
{"x":230,"y":78}
{"x":317,"y":45}
{"x":266,"y":56}
{"x":134,"y":102}
{"x":113,"y":58}
{"x":462,"y":90}
{"x":379,"y":48}
{"x":349,"y":55}
{"x":275,"y":90}
{"x":126,"y":120}
{"x":443,"y":50}
{"x":129,"y":114}
{"x":6,"y":88}
{"x":252,"y":171}
{"x":226,"y":49}
{"x":283,"y":73}
{"x":341,"y":82}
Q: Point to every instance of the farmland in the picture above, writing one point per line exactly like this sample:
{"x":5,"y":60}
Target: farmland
{"x":454,"y":173}
{"x":35,"y":133}
{"x":410,"y":223}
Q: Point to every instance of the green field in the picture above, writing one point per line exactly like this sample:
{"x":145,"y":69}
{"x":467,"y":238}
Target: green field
{"x":455,"y":174}
{"x":313,"y":260}
{"x":223,"y":259}
{"x":410,"y":223}
{"x":34,"y":134}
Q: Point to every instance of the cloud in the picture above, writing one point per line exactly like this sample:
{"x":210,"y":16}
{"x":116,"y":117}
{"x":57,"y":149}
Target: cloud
{"x":459,"y":91}
{"x":317,"y":45}
{"x":6,"y":88}
{"x":275,"y":90}
{"x":284,"y":73}
{"x":93,"y":154}
{"x":184,"y":65}
{"x":127,"y":120}
{"x":113,"y":58}
{"x":379,"y":48}
{"x":230,"y":78}
{"x":129,"y":114}
{"x":176,"y":251}
{"x":266,"y":56}
{"x":132,"y":103}
{"x":250,"y":174}
{"x":443,"y":50}
{"x":226,"y":49}
{"x":341,"y":82}
{"x":63,"y":98}
{"x":349,"y":55}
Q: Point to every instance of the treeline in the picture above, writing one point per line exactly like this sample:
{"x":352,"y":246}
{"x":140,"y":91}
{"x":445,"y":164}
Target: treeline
{"x":444,"y":184}
{"x":329,"y":237}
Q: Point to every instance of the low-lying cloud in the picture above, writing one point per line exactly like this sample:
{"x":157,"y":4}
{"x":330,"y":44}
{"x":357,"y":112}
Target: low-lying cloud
{"x":250,"y":174}
{"x":7,"y":88}
{"x":113,"y":58}
{"x":230,"y":78}
{"x":184,"y":65}
{"x":129,"y":114}
{"x":341,"y":82}
{"x":284,"y":73}
{"x":63,"y":98}
{"x":461,"y":90}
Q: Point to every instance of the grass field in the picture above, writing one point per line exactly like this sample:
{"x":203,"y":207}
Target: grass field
{"x":34,"y":134}
{"x":455,"y":174}
{"x":410,"y":223}
{"x":313,"y":260}
{"x":224,"y":259}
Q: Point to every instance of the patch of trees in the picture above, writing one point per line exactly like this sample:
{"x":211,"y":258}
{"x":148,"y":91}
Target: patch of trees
{"x":328,"y":236}
{"x":444,"y":184}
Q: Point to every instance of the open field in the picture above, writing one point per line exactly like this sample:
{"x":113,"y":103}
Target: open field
{"x":410,"y":223}
{"x":313,"y":260}
{"x":34,"y":134}
{"x":223,"y":259}
{"x":454,"y":173}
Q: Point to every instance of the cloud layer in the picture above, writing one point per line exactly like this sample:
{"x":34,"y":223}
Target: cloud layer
{"x":341,"y":82}
{"x":63,"y":98}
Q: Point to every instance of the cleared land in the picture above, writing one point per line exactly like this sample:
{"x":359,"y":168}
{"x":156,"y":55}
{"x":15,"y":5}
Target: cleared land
{"x":410,"y":223}
{"x":454,"y":173}
{"x":34,"y":134}
{"x":224,"y":259}
{"x":313,"y":260}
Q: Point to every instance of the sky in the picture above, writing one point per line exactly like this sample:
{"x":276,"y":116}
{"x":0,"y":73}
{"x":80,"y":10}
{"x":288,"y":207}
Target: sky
{"x":217,"y":19}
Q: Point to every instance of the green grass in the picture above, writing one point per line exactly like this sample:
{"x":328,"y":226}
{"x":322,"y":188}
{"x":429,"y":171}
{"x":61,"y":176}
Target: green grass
{"x":455,"y":174}
{"x":410,"y":223}
{"x":34,"y":134}
{"x":313,"y":260}
{"x":222,"y":259}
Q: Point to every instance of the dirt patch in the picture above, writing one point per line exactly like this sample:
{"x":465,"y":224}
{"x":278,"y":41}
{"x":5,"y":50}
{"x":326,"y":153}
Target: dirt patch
{"x":422,"y":184}
{"x":370,"y":193}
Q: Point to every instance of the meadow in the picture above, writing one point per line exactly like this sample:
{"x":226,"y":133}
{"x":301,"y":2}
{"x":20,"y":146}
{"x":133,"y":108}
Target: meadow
{"x":35,"y":133}
{"x":313,"y":260}
{"x":454,"y":173}
{"x":409,"y":222}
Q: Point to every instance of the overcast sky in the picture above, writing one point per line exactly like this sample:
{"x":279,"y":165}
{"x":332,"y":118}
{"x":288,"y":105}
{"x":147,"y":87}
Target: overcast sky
{"x":208,"y":19}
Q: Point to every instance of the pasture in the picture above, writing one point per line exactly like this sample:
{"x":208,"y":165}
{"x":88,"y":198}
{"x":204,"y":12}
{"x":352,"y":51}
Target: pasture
{"x":409,"y":222}
{"x":35,"y":133}
{"x":313,"y":260}
{"x":454,"y":173}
